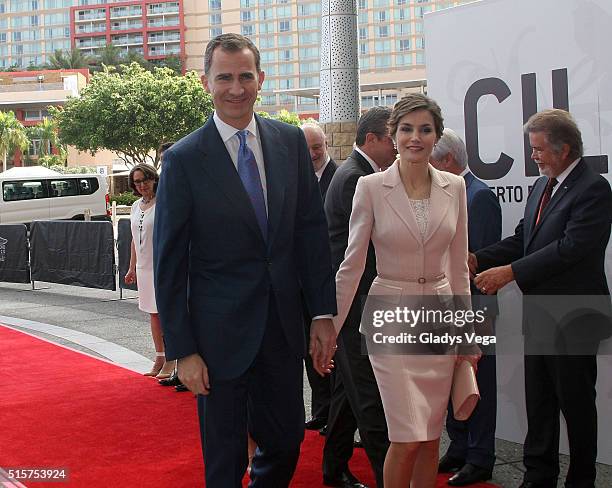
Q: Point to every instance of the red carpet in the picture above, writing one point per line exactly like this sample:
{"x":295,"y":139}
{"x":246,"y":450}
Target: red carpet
{"x":108,"y":426}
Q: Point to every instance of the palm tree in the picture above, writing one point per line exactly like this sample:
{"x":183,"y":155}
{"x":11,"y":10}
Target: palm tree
{"x":73,"y":59}
{"x":110,"y":55}
{"x":46,"y":133}
{"x":12,"y":136}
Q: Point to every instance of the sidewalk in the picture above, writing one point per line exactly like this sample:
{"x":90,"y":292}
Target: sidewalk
{"x":98,"y":323}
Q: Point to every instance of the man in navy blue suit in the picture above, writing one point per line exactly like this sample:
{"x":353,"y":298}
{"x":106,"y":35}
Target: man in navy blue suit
{"x":471,"y":452}
{"x":558,"y":250}
{"x":239,"y":232}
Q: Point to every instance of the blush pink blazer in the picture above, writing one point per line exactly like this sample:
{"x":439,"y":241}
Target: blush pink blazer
{"x":382,"y":213}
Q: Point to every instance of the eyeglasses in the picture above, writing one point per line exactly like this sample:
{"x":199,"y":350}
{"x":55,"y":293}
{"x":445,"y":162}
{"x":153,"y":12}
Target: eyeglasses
{"x":140,"y":182}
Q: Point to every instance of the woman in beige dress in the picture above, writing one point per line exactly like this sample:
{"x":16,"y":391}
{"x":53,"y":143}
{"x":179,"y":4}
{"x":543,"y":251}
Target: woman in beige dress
{"x":416,"y":217}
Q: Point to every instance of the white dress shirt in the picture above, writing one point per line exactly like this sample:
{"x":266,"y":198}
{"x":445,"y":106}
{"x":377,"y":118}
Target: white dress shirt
{"x":232,"y":143}
{"x":375,"y":167}
{"x":320,"y":172}
{"x":564,"y":175}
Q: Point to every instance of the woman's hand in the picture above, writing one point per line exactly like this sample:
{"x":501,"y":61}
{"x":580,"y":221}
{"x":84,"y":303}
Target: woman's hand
{"x":130,"y":277}
{"x":470,"y":358}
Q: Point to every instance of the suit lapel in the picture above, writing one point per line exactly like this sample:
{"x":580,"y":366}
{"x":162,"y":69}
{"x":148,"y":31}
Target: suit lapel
{"x":397,"y":198}
{"x":276,"y":159}
{"x":558,"y":196}
{"x":219,"y":167}
{"x":439,"y":201}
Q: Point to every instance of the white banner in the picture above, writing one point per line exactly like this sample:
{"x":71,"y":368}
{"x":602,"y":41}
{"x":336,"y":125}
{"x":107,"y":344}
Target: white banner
{"x":490,"y":65}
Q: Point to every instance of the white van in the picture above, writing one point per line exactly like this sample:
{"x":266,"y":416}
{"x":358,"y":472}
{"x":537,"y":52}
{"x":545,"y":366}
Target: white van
{"x":28,"y":198}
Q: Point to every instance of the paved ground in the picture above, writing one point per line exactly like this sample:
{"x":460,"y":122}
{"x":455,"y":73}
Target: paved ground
{"x":99,"y":323}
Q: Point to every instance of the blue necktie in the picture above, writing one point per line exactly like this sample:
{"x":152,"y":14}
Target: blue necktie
{"x":249,"y":174}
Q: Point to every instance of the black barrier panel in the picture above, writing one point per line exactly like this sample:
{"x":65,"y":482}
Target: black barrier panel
{"x":14,"y":254}
{"x":124,"y":250}
{"x":73,"y":253}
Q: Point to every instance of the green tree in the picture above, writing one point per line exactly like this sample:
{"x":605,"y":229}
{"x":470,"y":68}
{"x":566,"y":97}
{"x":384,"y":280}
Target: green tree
{"x":46,"y":133}
{"x":288,"y":117}
{"x":12,"y":136}
{"x":74,"y":59}
{"x":132,"y":111}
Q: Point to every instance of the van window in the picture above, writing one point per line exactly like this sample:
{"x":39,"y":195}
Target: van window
{"x":87,"y":186}
{"x":23,"y":190}
{"x":64,"y":188}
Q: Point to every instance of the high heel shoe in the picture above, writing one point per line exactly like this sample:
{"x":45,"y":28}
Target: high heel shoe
{"x":166,"y":370}
{"x":160,"y":360}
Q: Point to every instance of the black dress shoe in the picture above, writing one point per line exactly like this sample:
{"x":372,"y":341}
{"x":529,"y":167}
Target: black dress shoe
{"x":181,"y":387}
{"x":346,"y":480}
{"x":449,"y":464}
{"x":172,"y":381}
{"x":315,"y":423}
{"x":470,"y":474}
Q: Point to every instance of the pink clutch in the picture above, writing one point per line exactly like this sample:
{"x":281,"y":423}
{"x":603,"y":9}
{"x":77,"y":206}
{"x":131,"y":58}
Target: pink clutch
{"x":464,"y":392}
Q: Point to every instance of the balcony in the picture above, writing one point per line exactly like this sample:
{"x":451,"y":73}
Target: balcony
{"x":91,"y":27}
{"x":163,"y":8}
{"x":124,"y":12}
{"x":164,"y":50}
{"x":126,"y":40}
{"x":172,"y":21}
{"x":88,"y":15}
{"x":92,"y":42}
{"x":157,"y":37}
{"x":118,"y":25}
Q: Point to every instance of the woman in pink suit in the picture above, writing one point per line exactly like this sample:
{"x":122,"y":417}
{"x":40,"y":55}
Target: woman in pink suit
{"x":416,"y":218}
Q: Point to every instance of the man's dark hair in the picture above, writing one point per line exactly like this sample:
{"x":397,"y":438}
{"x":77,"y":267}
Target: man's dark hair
{"x":230,"y":43}
{"x":374,"y":121}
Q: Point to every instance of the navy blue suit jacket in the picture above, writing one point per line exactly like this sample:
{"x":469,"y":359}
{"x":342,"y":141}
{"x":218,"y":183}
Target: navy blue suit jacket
{"x":564,"y":254}
{"x":214,"y":271}
{"x":484,"y":219}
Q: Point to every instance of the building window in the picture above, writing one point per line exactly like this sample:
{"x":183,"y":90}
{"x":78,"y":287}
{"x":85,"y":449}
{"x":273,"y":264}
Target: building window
{"x":383,"y":31}
{"x":381,"y":3}
{"x":309,"y":38}
{"x":381,"y":15}
{"x":284,"y":26}
{"x":403,"y":44}
{"x":265,"y":13}
{"x":285,"y":40}
{"x":382,"y":46}
{"x":364,"y":62}
{"x":248,"y":30}
{"x":284,"y":55}
{"x":420,"y":58}
{"x":266,"y":42}
{"x":402,"y":13}
{"x":266,"y":28}
{"x":363,"y":18}
{"x":284,"y":11}
{"x":420,"y":43}
{"x":215,"y":19}
{"x":383,"y":61}
{"x":285,"y":84}
{"x":215,"y":31}
{"x":247,"y":3}
{"x":309,"y":52}
{"x":363,"y":48}
{"x":286,"y":69}
{"x":215,"y":4}
{"x":403,"y":60}
{"x":309,"y":81}
{"x":362,"y":4}
{"x":245,"y":16}
{"x":363,"y":33}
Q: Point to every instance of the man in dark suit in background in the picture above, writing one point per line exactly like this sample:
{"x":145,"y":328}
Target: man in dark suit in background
{"x":239,"y":233}
{"x":558,"y":248}
{"x":356,"y":400}
{"x":472,"y":449}
{"x":324,"y":167}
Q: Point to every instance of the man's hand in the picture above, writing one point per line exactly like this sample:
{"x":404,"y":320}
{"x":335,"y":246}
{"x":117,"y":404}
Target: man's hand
{"x":193,"y":373}
{"x":491,"y":280}
{"x":322,"y":345}
{"x":472,"y":264}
